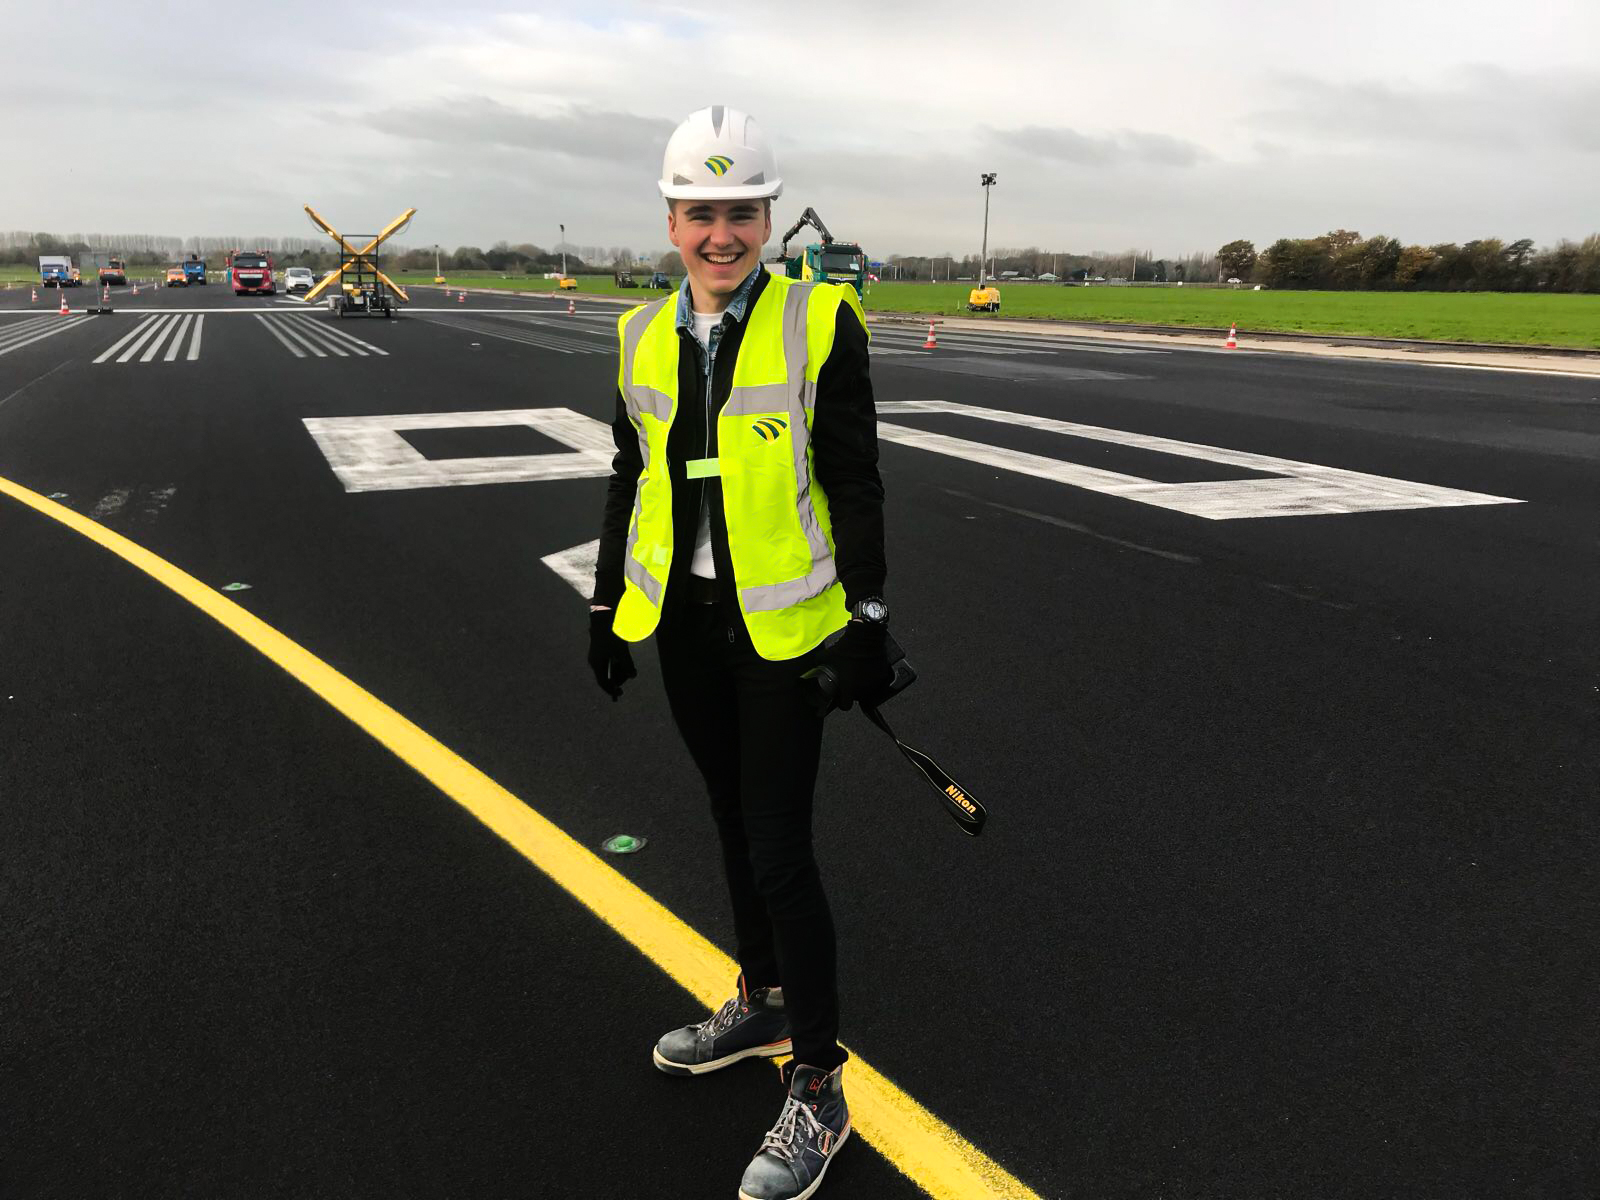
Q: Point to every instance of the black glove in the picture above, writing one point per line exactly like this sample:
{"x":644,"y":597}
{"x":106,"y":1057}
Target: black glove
{"x":859,"y":663}
{"x":609,"y":656}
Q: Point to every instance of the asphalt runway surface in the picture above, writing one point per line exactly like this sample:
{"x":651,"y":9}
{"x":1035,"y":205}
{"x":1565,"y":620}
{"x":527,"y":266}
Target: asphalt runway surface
{"x":1277,"y":675}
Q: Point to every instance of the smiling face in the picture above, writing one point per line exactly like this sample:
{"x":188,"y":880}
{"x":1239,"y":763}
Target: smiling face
{"x":720,"y":241}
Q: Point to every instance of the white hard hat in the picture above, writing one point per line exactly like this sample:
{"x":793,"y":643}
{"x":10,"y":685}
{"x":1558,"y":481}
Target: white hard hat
{"x":719,"y":153}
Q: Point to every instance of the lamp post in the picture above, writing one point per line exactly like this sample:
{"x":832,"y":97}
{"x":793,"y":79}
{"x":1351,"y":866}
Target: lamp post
{"x":563,"y":229}
{"x":987,"y":180}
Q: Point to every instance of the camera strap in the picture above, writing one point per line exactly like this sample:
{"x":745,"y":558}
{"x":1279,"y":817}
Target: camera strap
{"x":964,"y":810}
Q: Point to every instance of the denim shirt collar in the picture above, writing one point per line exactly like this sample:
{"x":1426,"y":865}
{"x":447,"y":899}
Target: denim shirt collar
{"x":737,"y":307}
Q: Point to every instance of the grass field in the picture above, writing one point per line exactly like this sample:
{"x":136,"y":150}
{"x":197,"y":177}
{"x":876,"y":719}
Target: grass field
{"x":1521,"y":318}
{"x":26,"y":273}
{"x":1518,"y":318}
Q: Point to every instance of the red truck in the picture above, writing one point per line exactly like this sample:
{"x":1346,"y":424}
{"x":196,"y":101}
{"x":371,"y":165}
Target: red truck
{"x":250,"y":272}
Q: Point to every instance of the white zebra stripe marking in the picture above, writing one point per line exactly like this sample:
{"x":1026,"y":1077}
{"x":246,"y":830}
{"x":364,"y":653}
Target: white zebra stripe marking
{"x":152,"y":334}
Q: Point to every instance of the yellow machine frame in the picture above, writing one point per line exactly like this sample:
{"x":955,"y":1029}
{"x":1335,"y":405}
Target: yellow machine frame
{"x":360,"y":255}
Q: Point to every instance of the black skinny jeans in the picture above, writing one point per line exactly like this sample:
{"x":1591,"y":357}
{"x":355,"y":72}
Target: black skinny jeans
{"x":757,"y":742}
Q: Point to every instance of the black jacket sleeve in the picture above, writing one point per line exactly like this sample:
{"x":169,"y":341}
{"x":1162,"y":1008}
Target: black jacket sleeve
{"x":844,"y":441}
{"x":625,"y":467}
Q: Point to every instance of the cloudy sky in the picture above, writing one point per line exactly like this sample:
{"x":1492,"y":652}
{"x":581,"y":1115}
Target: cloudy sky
{"x":1167,"y":125}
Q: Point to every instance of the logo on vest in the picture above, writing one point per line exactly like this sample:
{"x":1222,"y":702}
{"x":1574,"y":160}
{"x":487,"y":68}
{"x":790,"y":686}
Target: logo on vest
{"x":770,"y":427}
{"x":719,"y":164}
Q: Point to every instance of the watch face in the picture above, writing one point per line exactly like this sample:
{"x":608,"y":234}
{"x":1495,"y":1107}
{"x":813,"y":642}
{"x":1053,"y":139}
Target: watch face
{"x":874,"y":610}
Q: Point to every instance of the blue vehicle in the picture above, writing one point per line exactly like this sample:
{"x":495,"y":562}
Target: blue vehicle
{"x":56,"y":270}
{"x":194,"y":270}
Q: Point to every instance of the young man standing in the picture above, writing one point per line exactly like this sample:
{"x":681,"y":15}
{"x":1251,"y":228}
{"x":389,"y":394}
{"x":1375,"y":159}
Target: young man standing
{"x":743,"y":526}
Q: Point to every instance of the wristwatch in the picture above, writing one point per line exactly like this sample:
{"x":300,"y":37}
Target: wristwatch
{"x":873,"y":610}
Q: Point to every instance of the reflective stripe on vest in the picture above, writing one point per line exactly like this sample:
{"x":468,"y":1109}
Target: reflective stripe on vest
{"x":639,"y":398}
{"x":784,"y":571}
{"x":797,"y":397}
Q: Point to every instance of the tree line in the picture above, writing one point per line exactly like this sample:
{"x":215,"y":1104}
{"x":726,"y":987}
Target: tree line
{"x":1340,"y":259}
{"x":1344,"y":260}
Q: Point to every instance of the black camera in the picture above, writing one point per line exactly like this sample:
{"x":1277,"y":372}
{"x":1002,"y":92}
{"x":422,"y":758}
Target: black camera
{"x":822,"y":684}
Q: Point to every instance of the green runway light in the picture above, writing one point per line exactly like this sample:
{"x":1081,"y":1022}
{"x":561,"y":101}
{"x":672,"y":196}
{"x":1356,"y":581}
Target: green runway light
{"x":622,"y":843}
{"x":236,"y":587}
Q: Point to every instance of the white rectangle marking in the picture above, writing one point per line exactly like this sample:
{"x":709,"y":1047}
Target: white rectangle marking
{"x":1301,"y":489}
{"x":369,"y":455}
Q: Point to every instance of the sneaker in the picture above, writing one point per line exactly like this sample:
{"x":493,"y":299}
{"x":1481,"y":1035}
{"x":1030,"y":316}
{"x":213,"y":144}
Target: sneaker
{"x":750,"y":1025}
{"x":814,"y":1123}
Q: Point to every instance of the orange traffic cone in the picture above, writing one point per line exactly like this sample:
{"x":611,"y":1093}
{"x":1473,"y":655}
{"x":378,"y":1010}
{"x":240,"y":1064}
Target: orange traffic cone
{"x":932,"y":343}
{"x":461,"y":297}
{"x":572,"y":307}
{"x":35,"y":299}
{"x":1233,"y":338}
{"x":65,"y":311}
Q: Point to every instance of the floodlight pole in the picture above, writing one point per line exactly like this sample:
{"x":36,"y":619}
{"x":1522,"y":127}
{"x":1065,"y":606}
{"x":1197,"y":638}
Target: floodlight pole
{"x":563,"y":229}
{"x":987,"y":180}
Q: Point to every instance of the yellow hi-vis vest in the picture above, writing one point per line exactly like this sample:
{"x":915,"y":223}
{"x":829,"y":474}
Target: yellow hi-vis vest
{"x":779,"y":536}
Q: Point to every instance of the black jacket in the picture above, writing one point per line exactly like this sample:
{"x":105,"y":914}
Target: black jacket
{"x":844,"y":442}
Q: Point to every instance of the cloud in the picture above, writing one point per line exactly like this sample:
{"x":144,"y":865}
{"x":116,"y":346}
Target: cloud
{"x":501,"y":119}
{"x":575,"y":132}
{"x":1479,"y":106}
{"x":1081,"y":149}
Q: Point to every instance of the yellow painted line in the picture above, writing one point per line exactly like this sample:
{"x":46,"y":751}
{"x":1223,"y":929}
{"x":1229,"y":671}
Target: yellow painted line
{"x":924,"y":1148}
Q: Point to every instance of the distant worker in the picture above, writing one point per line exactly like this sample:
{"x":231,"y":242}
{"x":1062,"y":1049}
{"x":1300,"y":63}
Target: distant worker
{"x":743,"y":526}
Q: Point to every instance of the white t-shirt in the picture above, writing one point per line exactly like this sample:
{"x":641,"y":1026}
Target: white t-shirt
{"x":703,"y":564}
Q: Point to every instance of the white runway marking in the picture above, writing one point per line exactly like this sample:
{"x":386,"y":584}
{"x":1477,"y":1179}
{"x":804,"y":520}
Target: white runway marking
{"x":561,"y":325}
{"x":1515,"y":370}
{"x":902,"y":338}
{"x":369,"y":455}
{"x":125,"y":339}
{"x":272,"y":328}
{"x":576,"y":565}
{"x":165,"y":327}
{"x":183,"y":328}
{"x":26,"y":333}
{"x":881,"y":345}
{"x":334,"y":334}
{"x":305,"y":333}
{"x":525,"y":336}
{"x":152,"y":333}
{"x":1301,"y":489}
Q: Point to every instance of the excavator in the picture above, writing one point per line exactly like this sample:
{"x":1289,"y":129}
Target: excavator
{"x":828,"y":261}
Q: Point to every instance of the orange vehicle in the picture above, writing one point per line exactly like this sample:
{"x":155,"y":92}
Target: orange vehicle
{"x":176,"y":277}
{"x":114,"y":273}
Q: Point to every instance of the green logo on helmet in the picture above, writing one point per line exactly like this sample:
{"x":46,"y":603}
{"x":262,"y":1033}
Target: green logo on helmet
{"x":719,"y":164}
{"x":770,"y":427}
